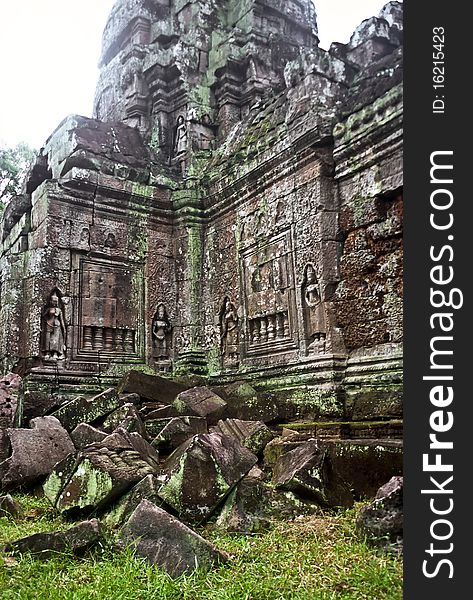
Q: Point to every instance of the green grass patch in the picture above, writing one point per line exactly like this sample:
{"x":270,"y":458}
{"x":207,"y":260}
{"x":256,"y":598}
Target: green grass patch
{"x":311,"y":558}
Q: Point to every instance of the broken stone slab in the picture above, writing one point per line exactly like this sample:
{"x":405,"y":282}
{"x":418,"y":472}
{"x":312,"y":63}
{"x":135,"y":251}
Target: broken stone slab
{"x":84,"y":435}
{"x":254,"y":435}
{"x":9,"y":507}
{"x":382,"y":520}
{"x":83,"y":410}
{"x":77,"y":539}
{"x":126,"y":417}
{"x":243,"y":402}
{"x":146,"y":489}
{"x":38,"y":403}
{"x":166,"y":542}
{"x":279,"y":446}
{"x":177,"y":431}
{"x":201,"y":472}
{"x":253,"y":505}
{"x":96,"y":476}
{"x":35,"y":451}
{"x":151,"y":387}
{"x":306,"y":471}
{"x":100,"y":477}
{"x":201,"y":402}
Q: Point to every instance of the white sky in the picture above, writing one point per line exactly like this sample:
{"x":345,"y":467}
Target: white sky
{"x":49,"y":50}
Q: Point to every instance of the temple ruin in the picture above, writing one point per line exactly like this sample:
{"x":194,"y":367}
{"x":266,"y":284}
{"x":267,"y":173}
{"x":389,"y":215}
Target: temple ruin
{"x":232,"y":210}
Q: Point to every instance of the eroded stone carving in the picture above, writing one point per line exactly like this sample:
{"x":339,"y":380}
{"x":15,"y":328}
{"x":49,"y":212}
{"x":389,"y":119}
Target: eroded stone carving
{"x":314,"y":313}
{"x":161,"y":332}
{"x":54,"y":329}
{"x":180,"y":136}
{"x":229,"y":336}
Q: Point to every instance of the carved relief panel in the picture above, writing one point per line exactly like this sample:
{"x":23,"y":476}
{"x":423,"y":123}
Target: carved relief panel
{"x":269,"y":296}
{"x":109,"y":309}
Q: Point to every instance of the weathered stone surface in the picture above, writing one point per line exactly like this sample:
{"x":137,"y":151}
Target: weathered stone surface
{"x":127,"y":417}
{"x":243,"y":402}
{"x":146,"y":489}
{"x":382,"y":520}
{"x":201,"y":402}
{"x":280,"y":446}
{"x":252,"y":505}
{"x":10,"y":409}
{"x":151,"y":387}
{"x":201,"y":472}
{"x":34,"y":452}
{"x":77,"y":539}
{"x":38,"y":403}
{"x":84,"y":435}
{"x":365,"y":464}
{"x":307,"y":472}
{"x":166,"y":542}
{"x":178,"y":430}
{"x":83,"y":410}
{"x":9,"y":507}
{"x":254,"y":435}
{"x":101,"y":472}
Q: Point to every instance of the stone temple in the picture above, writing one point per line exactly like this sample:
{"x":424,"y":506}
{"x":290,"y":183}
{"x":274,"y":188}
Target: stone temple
{"x":232,"y":210}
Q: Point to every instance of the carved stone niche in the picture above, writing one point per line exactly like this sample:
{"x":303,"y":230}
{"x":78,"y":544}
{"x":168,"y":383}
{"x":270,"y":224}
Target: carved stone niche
{"x":229,"y":334}
{"x":313,"y":308}
{"x":269,"y":296}
{"x":109,"y":316}
{"x":161,"y":333}
{"x":53,"y":329}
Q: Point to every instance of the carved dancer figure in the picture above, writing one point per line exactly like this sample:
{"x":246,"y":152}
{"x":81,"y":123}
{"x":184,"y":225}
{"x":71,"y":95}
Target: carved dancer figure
{"x":54,"y":330}
{"x":314,"y":313}
{"x":161,"y":332}
{"x":180,"y":136}
{"x":229,"y":333}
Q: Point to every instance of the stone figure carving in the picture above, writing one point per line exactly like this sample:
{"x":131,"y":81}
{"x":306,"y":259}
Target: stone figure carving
{"x":161,"y":332}
{"x":180,"y":136}
{"x":54,"y":330}
{"x":229,"y":334}
{"x":110,"y":240}
{"x":314,"y":313}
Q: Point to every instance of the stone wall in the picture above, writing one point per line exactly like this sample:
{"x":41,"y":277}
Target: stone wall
{"x":235,"y":210}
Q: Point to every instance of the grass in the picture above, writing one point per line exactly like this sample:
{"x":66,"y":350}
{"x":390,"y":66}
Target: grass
{"x":312,"y":558}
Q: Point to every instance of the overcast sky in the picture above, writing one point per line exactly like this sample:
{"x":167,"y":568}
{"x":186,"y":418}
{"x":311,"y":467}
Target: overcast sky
{"x":49,"y":50}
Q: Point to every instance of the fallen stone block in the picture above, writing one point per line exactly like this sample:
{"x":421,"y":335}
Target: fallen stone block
{"x":100,"y":472}
{"x":166,"y":542}
{"x":35,"y":451}
{"x":77,"y":539}
{"x":177,"y":431}
{"x":200,"y":402}
{"x":83,"y":410}
{"x":146,"y":489}
{"x":253,"y":505}
{"x":254,"y":435}
{"x":9,"y":507}
{"x":127,"y":417}
{"x":243,"y":402}
{"x":279,"y":446}
{"x":100,"y":477}
{"x":201,"y":472}
{"x":382,"y":520}
{"x":38,"y":403}
{"x":151,"y":387}
{"x":84,"y":435}
{"x":306,"y":471}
